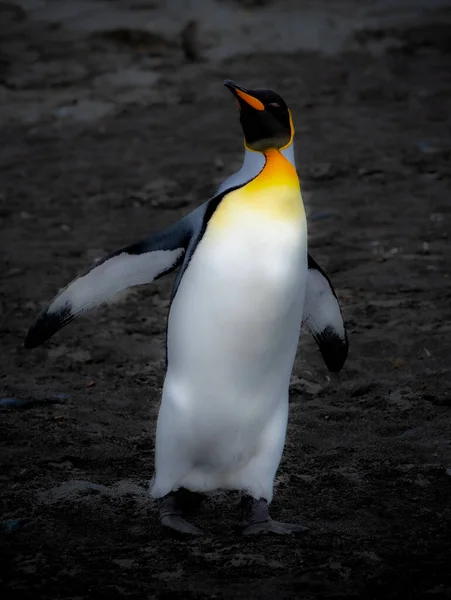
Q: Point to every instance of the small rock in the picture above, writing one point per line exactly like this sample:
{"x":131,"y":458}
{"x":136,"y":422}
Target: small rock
{"x":156,"y":192}
{"x":397,"y":363}
{"x":12,"y":525}
{"x":72,"y":488}
{"x":86,"y":110}
{"x":325,"y":170}
{"x":362,"y":390}
{"x":80,"y":355}
{"x":435,"y":146}
{"x":399,"y":400}
{"x":13,"y":272}
{"x":305,"y":386}
{"x":422,"y":481}
{"x":125,"y":563}
{"x":125,"y":487}
{"x":190,"y":41}
{"x":363,"y":172}
{"x":127,"y":78}
{"x":369,"y":555}
{"x":321,"y":215}
{"x":140,"y":40}
{"x":58,"y":352}
{"x":9,"y":401}
{"x":30,"y":402}
{"x":411,"y":432}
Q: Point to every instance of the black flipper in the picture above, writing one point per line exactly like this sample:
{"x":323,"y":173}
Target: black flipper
{"x":322,"y":317}
{"x":136,"y":264}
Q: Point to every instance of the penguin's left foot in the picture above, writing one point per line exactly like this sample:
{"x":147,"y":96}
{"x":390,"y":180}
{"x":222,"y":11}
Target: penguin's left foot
{"x":175,"y":506}
{"x":256,"y":519}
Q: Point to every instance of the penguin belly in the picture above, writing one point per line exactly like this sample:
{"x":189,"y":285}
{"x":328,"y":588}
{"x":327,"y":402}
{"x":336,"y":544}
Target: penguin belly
{"x":233,"y":331}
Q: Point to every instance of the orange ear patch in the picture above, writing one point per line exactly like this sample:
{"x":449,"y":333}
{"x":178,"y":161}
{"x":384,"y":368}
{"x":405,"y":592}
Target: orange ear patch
{"x":291,"y":130}
{"x":250,"y":100}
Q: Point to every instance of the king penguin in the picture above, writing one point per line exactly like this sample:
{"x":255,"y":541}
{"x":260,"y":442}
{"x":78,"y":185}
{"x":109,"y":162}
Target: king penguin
{"x":244,"y":287}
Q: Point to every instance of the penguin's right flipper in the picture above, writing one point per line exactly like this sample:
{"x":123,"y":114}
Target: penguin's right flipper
{"x":322,"y":317}
{"x":139,"y":263}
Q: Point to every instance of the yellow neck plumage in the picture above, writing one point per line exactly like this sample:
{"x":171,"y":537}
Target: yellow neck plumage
{"x":275,"y":193}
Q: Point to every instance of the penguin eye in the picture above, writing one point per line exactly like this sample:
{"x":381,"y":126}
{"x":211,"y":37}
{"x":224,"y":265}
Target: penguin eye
{"x":274,"y":104}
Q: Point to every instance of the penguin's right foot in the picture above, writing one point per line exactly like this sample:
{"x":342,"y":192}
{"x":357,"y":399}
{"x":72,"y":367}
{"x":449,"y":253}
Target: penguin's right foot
{"x":271,"y":526}
{"x":175,"y":506}
{"x":256,"y":519}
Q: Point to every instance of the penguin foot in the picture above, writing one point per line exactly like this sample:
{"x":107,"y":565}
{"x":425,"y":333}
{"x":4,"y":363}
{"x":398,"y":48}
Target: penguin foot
{"x":179,"y":524}
{"x":175,"y":506}
{"x":256,"y":519}
{"x":273,"y":527}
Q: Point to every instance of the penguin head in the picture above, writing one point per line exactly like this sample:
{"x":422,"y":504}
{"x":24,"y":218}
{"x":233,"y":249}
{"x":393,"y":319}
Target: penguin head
{"x":264,"y":116}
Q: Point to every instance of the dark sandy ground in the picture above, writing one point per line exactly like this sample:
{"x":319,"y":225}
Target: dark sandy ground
{"x":368,"y":456}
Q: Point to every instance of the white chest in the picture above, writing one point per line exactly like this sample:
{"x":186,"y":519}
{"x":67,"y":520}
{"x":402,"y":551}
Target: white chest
{"x":254,"y":269}
{"x":241,"y":298}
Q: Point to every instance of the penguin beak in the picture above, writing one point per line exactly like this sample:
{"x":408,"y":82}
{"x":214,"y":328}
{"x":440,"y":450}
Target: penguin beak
{"x":244,"y":95}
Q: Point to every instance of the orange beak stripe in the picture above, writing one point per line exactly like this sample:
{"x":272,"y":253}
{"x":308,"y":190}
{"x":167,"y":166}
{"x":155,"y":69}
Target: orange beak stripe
{"x":250,"y":100}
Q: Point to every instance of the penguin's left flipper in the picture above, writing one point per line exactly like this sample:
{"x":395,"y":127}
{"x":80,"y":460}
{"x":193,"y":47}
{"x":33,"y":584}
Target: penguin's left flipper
{"x":139,"y":263}
{"x":322,"y":317}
